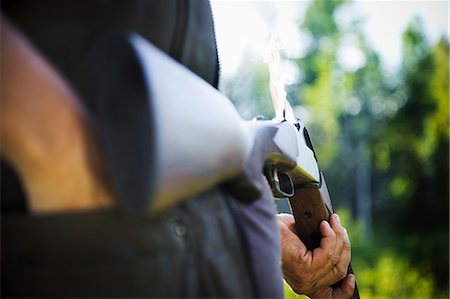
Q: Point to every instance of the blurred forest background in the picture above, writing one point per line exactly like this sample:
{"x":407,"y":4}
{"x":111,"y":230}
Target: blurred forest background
{"x":382,"y":140}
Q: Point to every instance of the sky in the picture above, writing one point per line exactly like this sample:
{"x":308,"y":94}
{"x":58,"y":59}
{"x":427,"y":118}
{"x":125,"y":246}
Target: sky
{"x":250,"y":26}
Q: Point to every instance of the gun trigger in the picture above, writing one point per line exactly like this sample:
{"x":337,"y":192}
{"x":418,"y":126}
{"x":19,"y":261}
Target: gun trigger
{"x":280,"y":182}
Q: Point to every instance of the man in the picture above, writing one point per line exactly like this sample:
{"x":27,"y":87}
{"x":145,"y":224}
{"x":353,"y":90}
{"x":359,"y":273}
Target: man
{"x":211,"y":246}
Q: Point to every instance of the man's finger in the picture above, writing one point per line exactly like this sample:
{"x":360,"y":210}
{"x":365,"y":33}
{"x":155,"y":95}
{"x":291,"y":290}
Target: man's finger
{"x":285,"y":218}
{"x":341,"y":267}
{"x":339,"y":271}
{"x":292,"y":246}
{"x":288,"y":220}
{"x":340,"y":237}
{"x":325,"y":252}
{"x":323,"y":255}
{"x":346,"y":289}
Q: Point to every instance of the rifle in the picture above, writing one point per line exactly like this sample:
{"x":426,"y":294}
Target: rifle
{"x":194,"y":139}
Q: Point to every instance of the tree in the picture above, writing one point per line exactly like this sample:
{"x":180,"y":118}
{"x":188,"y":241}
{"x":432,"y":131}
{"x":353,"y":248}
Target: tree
{"x":412,"y":154}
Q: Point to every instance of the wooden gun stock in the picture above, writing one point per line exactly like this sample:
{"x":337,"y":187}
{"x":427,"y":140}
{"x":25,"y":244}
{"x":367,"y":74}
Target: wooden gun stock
{"x":310,"y":206}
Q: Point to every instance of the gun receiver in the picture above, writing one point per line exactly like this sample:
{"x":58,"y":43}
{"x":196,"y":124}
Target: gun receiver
{"x":188,"y":137}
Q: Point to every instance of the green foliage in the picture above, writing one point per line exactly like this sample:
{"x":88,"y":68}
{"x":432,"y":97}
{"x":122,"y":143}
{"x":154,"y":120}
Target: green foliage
{"x":390,"y":130}
{"x":381,"y":267}
{"x":415,"y":141}
{"x":319,"y":17}
{"x":439,"y":86}
{"x":401,"y":188}
{"x":392,"y":277}
{"x":393,"y":131}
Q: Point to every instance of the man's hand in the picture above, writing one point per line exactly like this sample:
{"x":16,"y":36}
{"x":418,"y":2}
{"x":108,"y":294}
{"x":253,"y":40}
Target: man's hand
{"x":313,"y":272}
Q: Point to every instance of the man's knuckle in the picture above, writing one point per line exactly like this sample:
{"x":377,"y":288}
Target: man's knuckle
{"x":345,"y":231}
{"x":339,"y":272}
{"x":330,"y":254}
{"x":300,"y":259}
{"x":347,"y":244}
{"x":338,"y":230}
{"x":284,"y":231}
